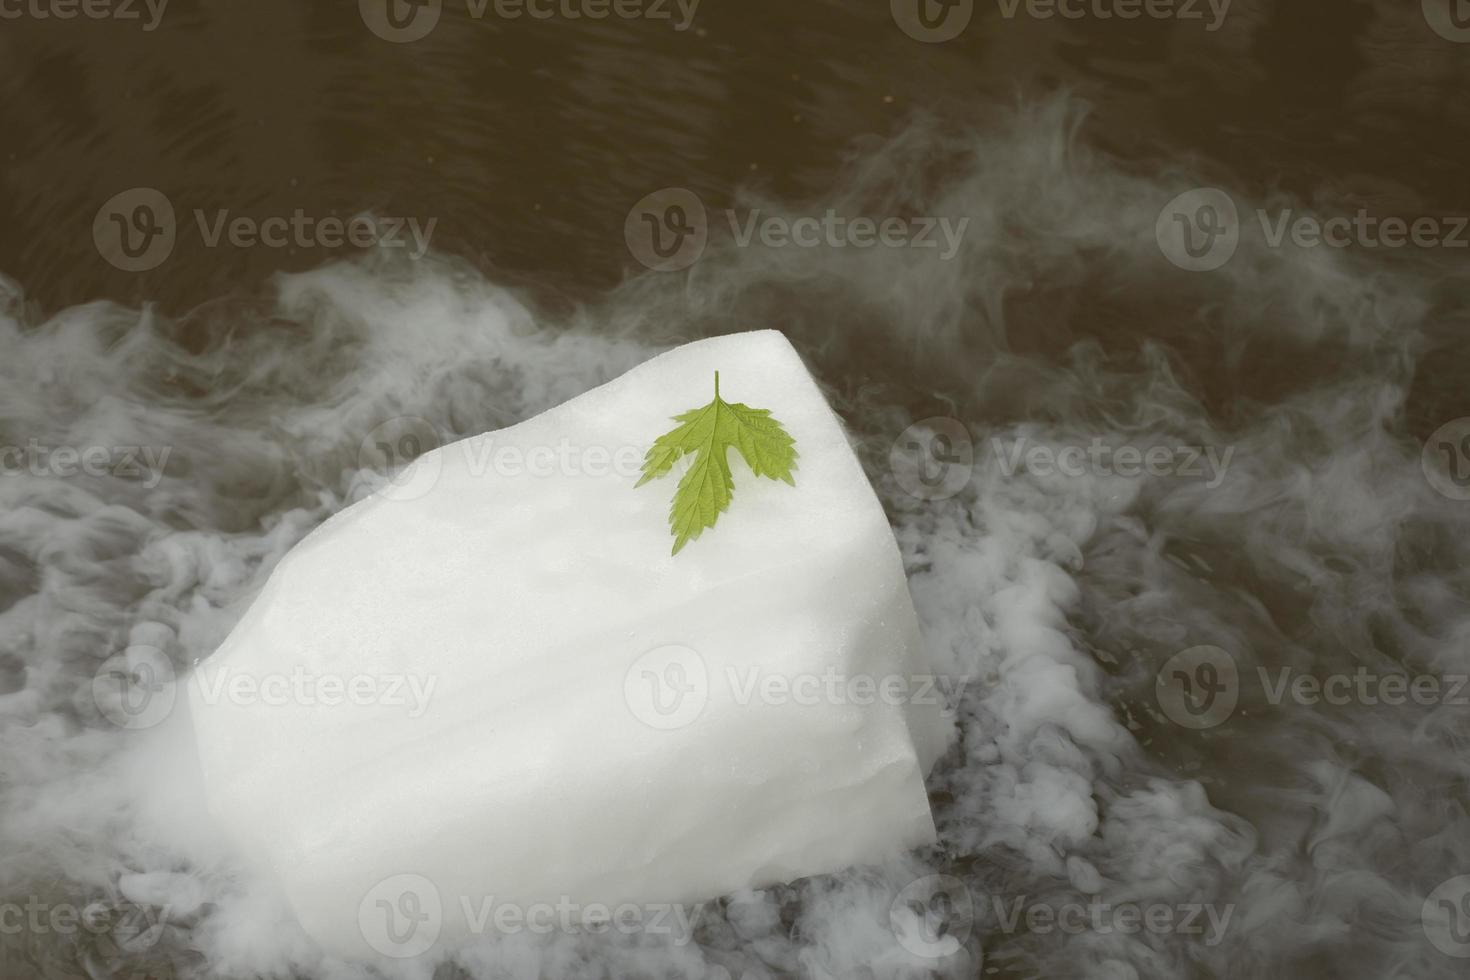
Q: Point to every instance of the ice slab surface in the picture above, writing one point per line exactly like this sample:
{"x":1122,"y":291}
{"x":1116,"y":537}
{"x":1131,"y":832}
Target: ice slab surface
{"x":484,"y":683}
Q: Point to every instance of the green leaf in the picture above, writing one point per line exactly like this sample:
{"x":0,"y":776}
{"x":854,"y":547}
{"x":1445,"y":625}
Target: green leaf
{"x":709,"y":433}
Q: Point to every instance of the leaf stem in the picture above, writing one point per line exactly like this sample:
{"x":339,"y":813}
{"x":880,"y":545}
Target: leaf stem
{"x":717,"y":384}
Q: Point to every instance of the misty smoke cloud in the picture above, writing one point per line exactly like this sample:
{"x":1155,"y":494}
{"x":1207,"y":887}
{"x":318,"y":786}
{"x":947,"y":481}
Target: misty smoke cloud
{"x":1295,"y":837}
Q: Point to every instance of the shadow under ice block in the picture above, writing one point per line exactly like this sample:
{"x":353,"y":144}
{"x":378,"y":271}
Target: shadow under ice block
{"x":500,"y":683}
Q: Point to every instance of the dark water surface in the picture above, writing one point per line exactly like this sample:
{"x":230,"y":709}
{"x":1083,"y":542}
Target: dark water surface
{"x":528,"y":140}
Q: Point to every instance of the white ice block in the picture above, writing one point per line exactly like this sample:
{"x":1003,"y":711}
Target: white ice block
{"x":482,"y":684}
